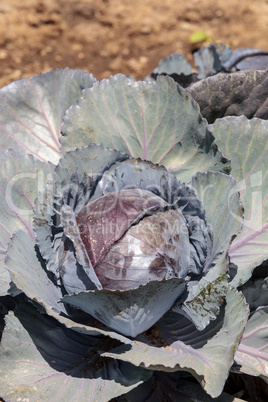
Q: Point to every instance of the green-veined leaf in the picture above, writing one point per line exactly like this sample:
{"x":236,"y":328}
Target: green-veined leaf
{"x":224,"y":211}
{"x":42,"y":360}
{"x":21,"y":178}
{"x":32,"y":108}
{"x":210,"y":364}
{"x":156,"y":121}
{"x":246,"y":144}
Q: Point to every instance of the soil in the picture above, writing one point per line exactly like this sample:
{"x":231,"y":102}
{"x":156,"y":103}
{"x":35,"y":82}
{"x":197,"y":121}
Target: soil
{"x":105,"y":37}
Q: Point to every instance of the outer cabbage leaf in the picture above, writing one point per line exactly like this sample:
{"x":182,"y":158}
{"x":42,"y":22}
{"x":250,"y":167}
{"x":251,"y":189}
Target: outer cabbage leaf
{"x":32,"y":108}
{"x":175,"y":63}
{"x":210,"y":59}
{"x":43,"y":360}
{"x":247,"y":58}
{"x":220,"y":198}
{"x":240,"y":93}
{"x":156,"y":121}
{"x":174,"y":326}
{"x":183,"y":80}
{"x":4,"y":280}
{"x":258,"y":63}
{"x":252,"y":353}
{"x":206,"y":295}
{"x":28,"y":275}
{"x":217,"y":58}
{"x":193,"y":390}
{"x":246,"y":143}
{"x":20,"y":180}
{"x":142,"y":311}
{"x":210,"y":364}
{"x":176,"y":67}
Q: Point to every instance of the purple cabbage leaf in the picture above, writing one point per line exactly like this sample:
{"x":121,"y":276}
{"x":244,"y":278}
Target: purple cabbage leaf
{"x":243,"y":92}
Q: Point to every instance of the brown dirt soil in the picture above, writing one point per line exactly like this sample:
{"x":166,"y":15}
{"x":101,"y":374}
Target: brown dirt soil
{"x":109,"y":36}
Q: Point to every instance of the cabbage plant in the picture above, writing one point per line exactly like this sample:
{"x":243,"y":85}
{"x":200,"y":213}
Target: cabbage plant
{"x":134,"y":232}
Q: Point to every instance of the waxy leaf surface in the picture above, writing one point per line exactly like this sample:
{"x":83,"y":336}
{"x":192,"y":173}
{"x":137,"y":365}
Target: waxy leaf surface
{"x":32,"y":108}
{"x":220,"y":198}
{"x":210,"y":59}
{"x":21,"y":178}
{"x":132,"y":311}
{"x":175,"y":63}
{"x":156,"y":121}
{"x":246,"y":144}
{"x":29,"y":276}
{"x":43,"y":360}
{"x":210,"y":364}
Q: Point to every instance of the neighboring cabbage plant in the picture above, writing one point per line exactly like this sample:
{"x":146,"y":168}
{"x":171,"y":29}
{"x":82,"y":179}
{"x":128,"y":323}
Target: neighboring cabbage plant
{"x":133,"y":234}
